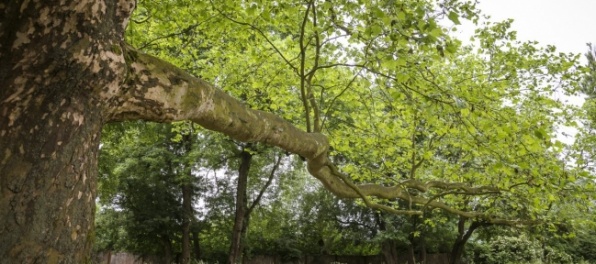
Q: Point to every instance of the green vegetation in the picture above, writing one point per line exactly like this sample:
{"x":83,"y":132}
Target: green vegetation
{"x":460,"y":141}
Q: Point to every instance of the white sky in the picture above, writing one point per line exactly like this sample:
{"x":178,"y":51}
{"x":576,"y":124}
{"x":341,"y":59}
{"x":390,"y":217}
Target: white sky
{"x":566,"y":24}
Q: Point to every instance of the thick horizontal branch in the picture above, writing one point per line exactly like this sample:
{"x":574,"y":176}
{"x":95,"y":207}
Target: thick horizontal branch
{"x":158,"y":91}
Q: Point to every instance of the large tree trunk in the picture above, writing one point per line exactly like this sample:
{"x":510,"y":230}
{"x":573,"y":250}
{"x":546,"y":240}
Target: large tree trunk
{"x":235,"y":255}
{"x":57,"y":58}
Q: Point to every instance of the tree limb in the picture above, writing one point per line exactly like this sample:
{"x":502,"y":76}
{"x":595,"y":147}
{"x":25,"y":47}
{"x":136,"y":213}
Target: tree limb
{"x":158,"y":91}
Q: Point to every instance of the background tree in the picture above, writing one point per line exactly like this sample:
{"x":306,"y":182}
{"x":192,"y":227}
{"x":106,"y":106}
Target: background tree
{"x":380,"y":88}
{"x":151,"y":187}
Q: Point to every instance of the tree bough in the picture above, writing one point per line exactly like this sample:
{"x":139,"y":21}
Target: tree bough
{"x":169,"y":94}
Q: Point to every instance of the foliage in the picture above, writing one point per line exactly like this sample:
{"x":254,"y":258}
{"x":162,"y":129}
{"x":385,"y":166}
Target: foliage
{"x":390,"y":80}
{"x":141,"y":191}
{"x":471,"y":130}
{"x":517,"y":248}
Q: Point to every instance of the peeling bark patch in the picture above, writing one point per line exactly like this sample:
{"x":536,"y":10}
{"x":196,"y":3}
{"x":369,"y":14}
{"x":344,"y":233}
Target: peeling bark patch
{"x":24,"y":6}
{"x":208,"y":105}
{"x":19,"y":82}
{"x":75,"y":233}
{"x":22,"y":38}
{"x":69,"y":201}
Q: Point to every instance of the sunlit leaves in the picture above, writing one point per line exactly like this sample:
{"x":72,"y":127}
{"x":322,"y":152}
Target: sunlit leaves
{"x":398,"y":97}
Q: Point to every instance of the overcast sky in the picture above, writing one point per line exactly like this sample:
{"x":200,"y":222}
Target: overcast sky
{"x":567,"y":24}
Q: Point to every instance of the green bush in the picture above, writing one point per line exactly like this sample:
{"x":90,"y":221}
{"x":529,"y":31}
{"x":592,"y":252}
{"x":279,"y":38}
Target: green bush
{"x":516,"y":249}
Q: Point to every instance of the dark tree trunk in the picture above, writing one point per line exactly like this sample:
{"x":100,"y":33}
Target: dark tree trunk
{"x":196,"y":244}
{"x":423,"y":254}
{"x":56,"y":62}
{"x":457,"y":251}
{"x":411,"y":252}
{"x":187,"y":210}
{"x":167,"y":256}
{"x":109,"y":257}
{"x":388,"y":248}
{"x":241,"y":208}
{"x":412,"y":240}
{"x":186,"y":221}
{"x":389,"y":251}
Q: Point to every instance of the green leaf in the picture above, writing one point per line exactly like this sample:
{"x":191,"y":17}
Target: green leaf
{"x":454,"y":17}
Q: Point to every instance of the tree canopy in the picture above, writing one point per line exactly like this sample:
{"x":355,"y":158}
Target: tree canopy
{"x":410,"y":112}
{"x":378,"y":97}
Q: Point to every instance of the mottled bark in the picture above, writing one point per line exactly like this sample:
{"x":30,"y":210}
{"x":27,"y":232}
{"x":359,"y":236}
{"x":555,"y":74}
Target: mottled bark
{"x":58,"y":58}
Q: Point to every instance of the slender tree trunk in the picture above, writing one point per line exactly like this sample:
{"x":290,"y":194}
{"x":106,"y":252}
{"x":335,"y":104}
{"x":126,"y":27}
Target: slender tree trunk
{"x":241,"y":208}
{"x":412,"y":246}
{"x":458,"y":249}
{"x":109,"y":257}
{"x":196,"y":245}
{"x":457,"y":252}
{"x":243,"y":235}
{"x":388,"y":248}
{"x":423,"y":255}
{"x":389,"y":251}
{"x":167,"y":257}
{"x":411,"y":252}
{"x":187,"y":214}
{"x":187,"y":210}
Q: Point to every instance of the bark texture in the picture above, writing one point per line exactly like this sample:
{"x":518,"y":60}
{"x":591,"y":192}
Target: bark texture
{"x":58,"y":58}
